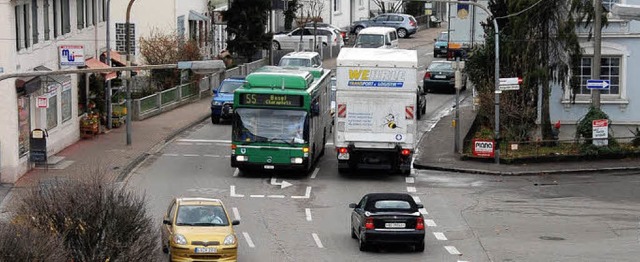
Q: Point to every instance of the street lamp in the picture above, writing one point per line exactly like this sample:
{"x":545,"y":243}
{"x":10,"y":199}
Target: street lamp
{"x":127,"y":47}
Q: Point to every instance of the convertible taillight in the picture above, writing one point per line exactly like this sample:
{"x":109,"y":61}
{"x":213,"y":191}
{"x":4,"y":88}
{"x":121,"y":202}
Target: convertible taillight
{"x":368,"y":224}
{"x":420,"y":223}
{"x":427,"y":75}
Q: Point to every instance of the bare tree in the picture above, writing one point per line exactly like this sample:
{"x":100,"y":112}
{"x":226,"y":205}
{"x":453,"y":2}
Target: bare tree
{"x":389,"y":6}
{"x":313,"y":9}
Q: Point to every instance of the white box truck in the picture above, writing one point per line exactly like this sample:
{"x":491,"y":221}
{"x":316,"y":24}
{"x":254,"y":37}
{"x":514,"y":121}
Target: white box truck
{"x":376,"y":114}
{"x":465,"y":28}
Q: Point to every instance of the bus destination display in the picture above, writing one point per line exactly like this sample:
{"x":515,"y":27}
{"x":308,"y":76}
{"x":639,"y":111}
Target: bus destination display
{"x":270,"y":100}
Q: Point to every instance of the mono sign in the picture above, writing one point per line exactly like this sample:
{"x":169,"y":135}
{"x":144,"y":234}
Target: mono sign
{"x":483,"y":148}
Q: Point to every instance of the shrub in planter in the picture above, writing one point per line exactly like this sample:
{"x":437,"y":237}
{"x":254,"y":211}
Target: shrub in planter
{"x":584,"y":130}
{"x":96,"y":220}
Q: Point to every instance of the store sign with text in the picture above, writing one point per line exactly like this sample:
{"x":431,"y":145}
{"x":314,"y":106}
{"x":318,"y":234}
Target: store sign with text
{"x":483,"y":147}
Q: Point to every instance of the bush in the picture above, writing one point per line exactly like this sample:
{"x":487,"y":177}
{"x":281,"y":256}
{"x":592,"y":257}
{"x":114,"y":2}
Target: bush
{"x":97,"y":220}
{"x":584,"y":128}
{"x":21,"y":243}
{"x":636,"y":137}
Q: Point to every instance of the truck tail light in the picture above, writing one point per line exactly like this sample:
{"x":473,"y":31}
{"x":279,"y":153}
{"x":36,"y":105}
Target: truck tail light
{"x":368,"y":224}
{"x":342,"y":150}
{"x":405,"y":152}
{"x":420,"y":223}
{"x":427,"y":75}
{"x":342,"y":110}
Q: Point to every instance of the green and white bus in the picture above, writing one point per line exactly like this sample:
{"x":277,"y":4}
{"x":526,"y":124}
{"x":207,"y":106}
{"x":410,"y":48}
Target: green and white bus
{"x":281,"y":119}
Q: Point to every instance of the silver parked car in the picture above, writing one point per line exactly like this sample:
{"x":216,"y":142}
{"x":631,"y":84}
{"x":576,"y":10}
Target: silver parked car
{"x":292,"y":39}
{"x":406,"y":25}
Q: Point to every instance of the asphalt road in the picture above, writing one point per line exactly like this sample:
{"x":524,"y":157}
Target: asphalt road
{"x":589,"y":217}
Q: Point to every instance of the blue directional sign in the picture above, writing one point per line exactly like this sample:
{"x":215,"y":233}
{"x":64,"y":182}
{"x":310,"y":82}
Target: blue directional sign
{"x":598,"y":84}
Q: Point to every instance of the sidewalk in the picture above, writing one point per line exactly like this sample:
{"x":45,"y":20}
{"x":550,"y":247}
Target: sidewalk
{"x":109,"y":151}
{"x":435,"y":152}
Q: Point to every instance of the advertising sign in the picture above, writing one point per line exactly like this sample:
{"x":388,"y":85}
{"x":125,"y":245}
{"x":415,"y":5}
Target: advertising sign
{"x":42,"y":102}
{"x":483,"y":148}
{"x":71,"y":55}
{"x":600,"y":132}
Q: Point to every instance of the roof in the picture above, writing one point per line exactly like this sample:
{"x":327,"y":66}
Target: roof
{"x":195,"y":16}
{"x":194,"y":200}
{"x":235,"y":79}
{"x":302,"y":54}
{"x":377,"y":57}
{"x":377,"y":30}
{"x":272,"y":76}
{"x":373,"y":197}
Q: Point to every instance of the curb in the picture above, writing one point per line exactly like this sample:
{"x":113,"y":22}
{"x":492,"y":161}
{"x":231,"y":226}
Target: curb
{"x":140,"y":158}
{"x":522,"y":173}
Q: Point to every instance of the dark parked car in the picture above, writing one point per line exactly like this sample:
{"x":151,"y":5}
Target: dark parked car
{"x":440,"y":76}
{"x":387,"y":218}
{"x":222,"y":100}
{"x":406,"y":25}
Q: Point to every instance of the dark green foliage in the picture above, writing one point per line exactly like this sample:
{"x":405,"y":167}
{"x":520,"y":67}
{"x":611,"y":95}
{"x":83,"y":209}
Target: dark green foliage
{"x":636,"y":140}
{"x":584,"y":129}
{"x":414,"y":8}
{"x":21,"y":243}
{"x":246,"y":27}
{"x":290,"y":14}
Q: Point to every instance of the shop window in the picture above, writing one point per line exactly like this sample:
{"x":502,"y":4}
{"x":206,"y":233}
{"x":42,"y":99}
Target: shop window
{"x":52,"y":112}
{"x":24,"y":124}
{"x":66,"y":103}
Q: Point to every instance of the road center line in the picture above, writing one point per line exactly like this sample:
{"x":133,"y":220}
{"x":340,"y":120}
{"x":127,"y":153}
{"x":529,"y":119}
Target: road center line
{"x":315,"y":172}
{"x":439,"y":236}
{"x":248,"y":239}
{"x":236,"y":172}
{"x":417,"y":199}
{"x":410,"y":180}
{"x":236,"y":213}
{"x":184,"y":144}
{"x":423,"y":211}
{"x":170,"y":154}
{"x":411,"y":189}
{"x":275,"y":196}
{"x":190,"y":155}
{"x":258,"y":196}
{"x":307,"y":211}
{"x":317,"y":239}
{"x":452,"y":250}
{"x":430,"y":223}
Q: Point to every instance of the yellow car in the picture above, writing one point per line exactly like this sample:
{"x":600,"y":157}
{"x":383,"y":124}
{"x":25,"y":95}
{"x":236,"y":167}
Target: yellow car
{"x":199,"y":229}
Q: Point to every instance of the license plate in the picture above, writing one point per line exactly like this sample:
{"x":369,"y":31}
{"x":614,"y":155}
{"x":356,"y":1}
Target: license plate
{"x":206,"y":250}
{"x":343,"y":156}
{"x":394,"y":225}
{"x":268,"y":167}
{"x":440,"y":76}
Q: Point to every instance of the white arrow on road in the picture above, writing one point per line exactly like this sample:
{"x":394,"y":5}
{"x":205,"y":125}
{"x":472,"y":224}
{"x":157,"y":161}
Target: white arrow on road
{"x":282,"y":184}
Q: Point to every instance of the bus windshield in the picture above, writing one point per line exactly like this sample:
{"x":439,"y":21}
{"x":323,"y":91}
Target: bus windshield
{"x":270,"y":125}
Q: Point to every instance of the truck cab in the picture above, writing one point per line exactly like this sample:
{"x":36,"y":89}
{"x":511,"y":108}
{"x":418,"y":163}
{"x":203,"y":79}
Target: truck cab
{"x":222,"y":100}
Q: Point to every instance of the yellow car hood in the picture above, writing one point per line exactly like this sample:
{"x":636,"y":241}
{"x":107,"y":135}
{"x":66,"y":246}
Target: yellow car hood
{"x":204,"y":233}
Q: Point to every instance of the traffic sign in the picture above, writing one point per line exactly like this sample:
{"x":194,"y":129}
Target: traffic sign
{"x":508,"y":87}
{"x":598,"y":84}
{"x":510,"y":81}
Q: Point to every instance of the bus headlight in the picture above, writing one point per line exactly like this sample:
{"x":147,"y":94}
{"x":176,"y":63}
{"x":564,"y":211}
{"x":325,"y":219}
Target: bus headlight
{"x":242,"y":158}
{"x":296,"y":160}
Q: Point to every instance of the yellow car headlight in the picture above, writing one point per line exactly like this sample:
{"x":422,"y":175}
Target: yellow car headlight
{"x":179,"y":239}
{"x":229,"y":240}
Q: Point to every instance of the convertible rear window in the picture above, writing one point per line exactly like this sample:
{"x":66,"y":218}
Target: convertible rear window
{"x":392,"y":204}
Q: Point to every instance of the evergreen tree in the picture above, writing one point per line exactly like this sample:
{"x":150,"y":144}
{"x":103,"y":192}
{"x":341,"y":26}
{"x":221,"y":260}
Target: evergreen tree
{"x":246,"y":27}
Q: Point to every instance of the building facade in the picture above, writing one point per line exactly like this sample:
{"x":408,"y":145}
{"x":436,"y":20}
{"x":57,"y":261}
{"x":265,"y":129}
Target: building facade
{"x":33,"y":39}
{"x":620,"y":58}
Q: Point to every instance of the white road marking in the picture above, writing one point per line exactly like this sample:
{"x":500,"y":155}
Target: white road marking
{"x":410,"y":180}
{"x":439,"y":236}
{"x":417,"y":199}
{"x":205,"y":141}
{"x":190,"y":155}
{"x":184,"y":144}
{"x":452,"y":250}
{"x":423,"y":211}
{"x":236,"y":172}
{"x":329,"y":143}
{"x":248,"y":239}
{"x":315,"y":172}
{"x":411,"y":189}
{"x":275,"y":196}
{"x":258,"y":196}
{"x":307,"y":193}
{"x":236,"y":213}
{"x":317,"y":239}
{"x":227,"y":156}
{"x":203,"y":144}
{"x":211,"y":155}
{"x":170,"y":154}
{"x":413,"y":171}
{"x":233,"y":192}
{"x":307,"y":211}
{"x":430,"y":223}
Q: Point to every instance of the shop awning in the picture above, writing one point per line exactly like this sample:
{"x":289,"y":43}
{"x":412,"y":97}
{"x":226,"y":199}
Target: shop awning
{"x":95,"y":64}
{"x":195,"y":16}
{"x":120,"y":60}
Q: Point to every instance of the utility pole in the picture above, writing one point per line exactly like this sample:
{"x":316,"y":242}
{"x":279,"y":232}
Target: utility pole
{"x":597,"y":49}
{"x":127,"y":30}
{"x":108,"y":91}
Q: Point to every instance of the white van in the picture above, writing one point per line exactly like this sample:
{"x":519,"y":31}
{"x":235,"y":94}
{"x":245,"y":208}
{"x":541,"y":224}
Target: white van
{"x":306,"y":59}
{"x":377,"y":37}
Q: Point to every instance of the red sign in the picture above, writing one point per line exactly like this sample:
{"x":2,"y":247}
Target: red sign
{"x":483,"y":148}
{"x":42,"y":102}
{"x":600,"y":123}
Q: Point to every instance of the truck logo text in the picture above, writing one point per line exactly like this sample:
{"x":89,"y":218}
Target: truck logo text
{"x":376,"y":78}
